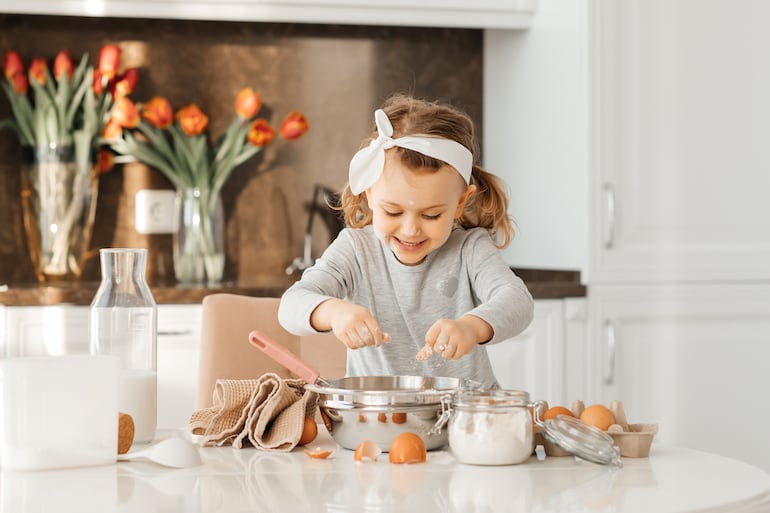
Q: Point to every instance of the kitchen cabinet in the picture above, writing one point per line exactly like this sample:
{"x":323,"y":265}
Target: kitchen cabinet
{"x":65,"y":329}
{"x":534,"y":360}
{"x":680,"y":181}
{"x":692,"y":358}
{"x":511,"y":14}
{"x":630,"y":136}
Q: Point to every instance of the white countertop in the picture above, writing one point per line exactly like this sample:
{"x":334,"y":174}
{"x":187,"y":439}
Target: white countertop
{"x":248,"y":480}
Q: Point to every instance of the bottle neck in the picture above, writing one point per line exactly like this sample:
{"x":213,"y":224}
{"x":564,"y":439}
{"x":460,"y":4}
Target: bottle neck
{"x":125,"y":267}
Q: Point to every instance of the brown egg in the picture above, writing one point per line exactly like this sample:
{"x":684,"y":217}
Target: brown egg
{"x":598,"y":415}
{"x":555,"y":411}
{"x":408,"y":447}
{"x":309,"y":431}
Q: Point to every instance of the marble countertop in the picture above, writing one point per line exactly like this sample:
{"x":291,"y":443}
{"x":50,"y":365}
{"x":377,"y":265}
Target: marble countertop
{"x":671,"y":480}
{"x":543,"y":284}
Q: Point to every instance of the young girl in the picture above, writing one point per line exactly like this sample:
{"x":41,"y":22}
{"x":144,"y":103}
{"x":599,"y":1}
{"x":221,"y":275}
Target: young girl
{"x":416,"y":283}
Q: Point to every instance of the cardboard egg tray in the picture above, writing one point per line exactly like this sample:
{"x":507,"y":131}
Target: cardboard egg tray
{"x":633,"y":440}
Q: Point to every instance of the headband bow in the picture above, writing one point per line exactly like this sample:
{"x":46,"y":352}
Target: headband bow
{"x":366,"y":165}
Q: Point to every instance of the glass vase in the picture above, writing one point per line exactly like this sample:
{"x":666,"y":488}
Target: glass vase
{"x":124,"y":324}
{"x":199,"y":246}
{"x":58,"y":197}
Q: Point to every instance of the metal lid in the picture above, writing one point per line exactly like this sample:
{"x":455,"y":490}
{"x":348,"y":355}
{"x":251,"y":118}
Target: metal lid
{"x":581,"y":439}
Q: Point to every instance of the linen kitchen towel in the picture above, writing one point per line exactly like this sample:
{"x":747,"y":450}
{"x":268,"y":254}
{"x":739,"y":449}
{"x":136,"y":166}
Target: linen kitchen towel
{"x":269,"y":412}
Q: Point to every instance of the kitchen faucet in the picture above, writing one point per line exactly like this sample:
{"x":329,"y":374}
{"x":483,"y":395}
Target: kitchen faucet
{"x":321,"y":204}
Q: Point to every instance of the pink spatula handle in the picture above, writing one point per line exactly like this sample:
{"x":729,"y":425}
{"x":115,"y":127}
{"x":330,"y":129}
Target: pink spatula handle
{"x":283,"y":356}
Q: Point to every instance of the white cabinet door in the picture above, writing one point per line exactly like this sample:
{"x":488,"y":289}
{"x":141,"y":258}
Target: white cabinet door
{"x":534,"y":360}
{"x":178,"y":348}
{"x":692,"y":358}
{"x":680,"y":177}
{"x":46,"y":330}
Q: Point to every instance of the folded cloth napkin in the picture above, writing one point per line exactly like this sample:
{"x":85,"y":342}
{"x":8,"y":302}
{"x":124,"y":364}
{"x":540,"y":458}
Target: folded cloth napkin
{"x":269,"y":412}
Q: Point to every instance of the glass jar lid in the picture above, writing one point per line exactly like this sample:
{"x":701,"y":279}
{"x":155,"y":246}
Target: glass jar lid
{"x":581,"y":439}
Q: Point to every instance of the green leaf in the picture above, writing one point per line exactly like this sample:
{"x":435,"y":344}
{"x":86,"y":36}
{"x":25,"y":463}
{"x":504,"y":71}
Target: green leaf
{"x":23,"y":113}
{"x":144,"y":153}
{"x":158,"y":139}
{"x":77,"y":97}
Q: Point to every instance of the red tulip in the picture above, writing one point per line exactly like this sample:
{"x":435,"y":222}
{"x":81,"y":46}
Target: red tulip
{"x":158,"y":113}
{"x":13,"y":64}
{"x":192,"y":120}
{"x":247,"y":103}
{"x":20,"y":84}
{"x":294,"y":126}
{"x":105,"y":161}
{"x":37,"y":69}
{"x":125,"y":113}
{"x":125,"y":83}
{"x":62,"y":64}
{"x":260,"y":133}
{"x":109,"y":61}
{"x":113,"y":130}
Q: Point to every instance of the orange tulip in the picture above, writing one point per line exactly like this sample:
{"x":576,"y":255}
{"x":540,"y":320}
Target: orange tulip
{"x":62,"y":64}
{"x":105,"y":161}
{"x":20,"y":84}
{"x":125,"y":83}
{"x":260,"y":133}
{"x":13,"y":64}
{"x":192,"y":120}
{"x":109,"y":61}
{"x":37,"y":69}
{"x":247,"y":103}
{"x":158,"y":113}
{"x":125,"y":113}
{"x":113,"y":130}
{"x":294,"y":126}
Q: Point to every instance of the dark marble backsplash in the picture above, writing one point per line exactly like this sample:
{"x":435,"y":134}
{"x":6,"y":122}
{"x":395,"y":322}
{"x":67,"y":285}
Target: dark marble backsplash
{"x":336,"y":75}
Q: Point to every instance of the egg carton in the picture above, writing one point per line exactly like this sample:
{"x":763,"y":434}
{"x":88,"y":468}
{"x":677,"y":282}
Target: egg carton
{"x":633,"y":440}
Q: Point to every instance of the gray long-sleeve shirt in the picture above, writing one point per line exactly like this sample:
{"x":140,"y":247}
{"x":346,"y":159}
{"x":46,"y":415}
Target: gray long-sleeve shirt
{"x":467,"y":275}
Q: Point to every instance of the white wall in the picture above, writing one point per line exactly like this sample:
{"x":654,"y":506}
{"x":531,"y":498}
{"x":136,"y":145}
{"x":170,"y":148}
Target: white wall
{"x":535,"y":133}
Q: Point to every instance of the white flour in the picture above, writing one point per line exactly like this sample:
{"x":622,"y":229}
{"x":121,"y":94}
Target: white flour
{"x":491,"y":437}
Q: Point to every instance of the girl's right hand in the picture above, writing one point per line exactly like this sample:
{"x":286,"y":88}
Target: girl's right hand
{"x":352,"y":324}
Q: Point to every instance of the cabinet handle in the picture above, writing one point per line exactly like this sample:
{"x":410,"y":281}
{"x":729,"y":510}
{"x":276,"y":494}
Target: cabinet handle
{"x":609,"y":197}
{"x":174,"y":333}
{"x":610,"y":351}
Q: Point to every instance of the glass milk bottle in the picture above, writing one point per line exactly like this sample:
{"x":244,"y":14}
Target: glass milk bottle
{"x":124,"y":323}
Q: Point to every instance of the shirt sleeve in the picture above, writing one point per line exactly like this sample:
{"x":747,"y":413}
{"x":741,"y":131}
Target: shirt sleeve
{"x":332,"y":276}
{"x":503,"y":299}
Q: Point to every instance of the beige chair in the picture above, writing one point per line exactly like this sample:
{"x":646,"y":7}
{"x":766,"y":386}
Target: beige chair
{"x":226,"y":352}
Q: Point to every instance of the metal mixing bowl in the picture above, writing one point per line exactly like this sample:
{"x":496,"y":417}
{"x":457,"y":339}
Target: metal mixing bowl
{"x":380,"y":408}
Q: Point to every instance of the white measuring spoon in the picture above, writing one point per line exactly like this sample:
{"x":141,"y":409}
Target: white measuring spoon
{"x":172,"y":452}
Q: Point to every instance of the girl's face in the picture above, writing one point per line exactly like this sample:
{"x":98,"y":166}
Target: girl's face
{"x":413,"y":211}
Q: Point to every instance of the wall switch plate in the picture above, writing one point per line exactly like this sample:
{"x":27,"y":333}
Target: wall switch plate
{"x":154,"y":211}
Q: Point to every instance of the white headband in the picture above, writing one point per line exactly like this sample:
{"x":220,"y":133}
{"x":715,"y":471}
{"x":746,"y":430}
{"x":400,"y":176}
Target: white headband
{"x":366,"y":165}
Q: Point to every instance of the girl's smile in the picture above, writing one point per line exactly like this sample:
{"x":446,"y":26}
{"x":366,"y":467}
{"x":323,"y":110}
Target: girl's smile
{"x":413,"y":211}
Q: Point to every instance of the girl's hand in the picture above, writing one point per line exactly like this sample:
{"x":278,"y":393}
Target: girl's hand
{"x":454,"y":339}
{"x":352,"y":324}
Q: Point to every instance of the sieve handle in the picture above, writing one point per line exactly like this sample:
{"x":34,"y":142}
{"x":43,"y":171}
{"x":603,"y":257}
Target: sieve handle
{"x":285,"y":357}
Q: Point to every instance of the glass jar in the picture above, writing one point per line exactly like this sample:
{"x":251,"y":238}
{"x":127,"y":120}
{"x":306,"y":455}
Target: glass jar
{"x":124,"y":324}
{"x":491,"y":427}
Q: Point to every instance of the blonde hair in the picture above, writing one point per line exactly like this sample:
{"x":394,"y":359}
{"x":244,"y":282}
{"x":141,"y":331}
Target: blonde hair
{"x":487,"y":207}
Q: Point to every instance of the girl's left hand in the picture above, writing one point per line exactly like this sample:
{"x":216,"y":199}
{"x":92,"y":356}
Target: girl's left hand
{"x":451,"y":339}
